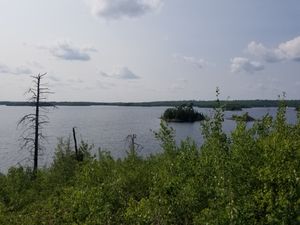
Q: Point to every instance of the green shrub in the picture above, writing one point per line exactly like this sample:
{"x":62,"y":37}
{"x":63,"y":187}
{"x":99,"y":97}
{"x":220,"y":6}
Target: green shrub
{"x":248,"y":177}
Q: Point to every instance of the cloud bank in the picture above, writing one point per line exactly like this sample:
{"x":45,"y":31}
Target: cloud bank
{"x":289,"y":50}
{"x":21,"y":70}
{"x":68,"y":51}
{"x":286,"y":51}
{"x":239,"y":64}
{"x":199,"y":63}
{"x":117,"y":9}
{"x":122,"y":73}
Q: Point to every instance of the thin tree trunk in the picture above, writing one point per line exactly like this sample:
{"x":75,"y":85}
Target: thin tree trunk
{"x":36,"y":136}
{"x":75,"y":143}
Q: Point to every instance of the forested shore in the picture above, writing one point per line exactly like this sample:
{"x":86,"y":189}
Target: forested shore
{"x":230,"y":104}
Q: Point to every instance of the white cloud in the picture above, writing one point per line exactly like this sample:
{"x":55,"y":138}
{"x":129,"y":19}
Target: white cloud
{"x":199,"y":63}
{"x":268,"y":55}
{"x":121,"y":73}
{"x":21,"y":70}
{"x":66,"y":50}
{"x":240,"y":64}
{"x":116,"y":9}
{"x":289,"y":50}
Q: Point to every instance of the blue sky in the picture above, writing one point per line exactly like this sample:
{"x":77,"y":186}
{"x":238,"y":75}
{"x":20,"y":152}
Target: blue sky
{"x":148,"y":50}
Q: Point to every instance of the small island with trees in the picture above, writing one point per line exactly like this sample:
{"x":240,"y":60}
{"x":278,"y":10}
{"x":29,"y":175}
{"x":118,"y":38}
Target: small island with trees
{"x":182,"y":113}
{"x":245,"y":117}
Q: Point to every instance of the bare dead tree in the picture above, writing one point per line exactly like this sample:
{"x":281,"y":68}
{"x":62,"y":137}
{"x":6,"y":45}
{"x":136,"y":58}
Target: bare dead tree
{"x":134,"y":147}
{"x":33,"y":123}
{"x":75,"y":144}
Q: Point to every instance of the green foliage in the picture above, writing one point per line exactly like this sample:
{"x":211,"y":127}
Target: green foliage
{"x":233,"y":106}
{"x":166,"y":136}
{"x":182,"y":113}
{"x":251,"y":176}
{"x":245,"y":117}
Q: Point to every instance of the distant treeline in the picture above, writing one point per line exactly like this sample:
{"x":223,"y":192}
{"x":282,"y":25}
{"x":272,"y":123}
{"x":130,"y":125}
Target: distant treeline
{"x":231,"y":105}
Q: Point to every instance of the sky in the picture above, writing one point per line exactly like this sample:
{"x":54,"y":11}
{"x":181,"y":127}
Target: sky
{"x":150,"y":50}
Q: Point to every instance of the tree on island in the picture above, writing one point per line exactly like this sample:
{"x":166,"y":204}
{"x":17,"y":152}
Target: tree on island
{"x":182,"y":113}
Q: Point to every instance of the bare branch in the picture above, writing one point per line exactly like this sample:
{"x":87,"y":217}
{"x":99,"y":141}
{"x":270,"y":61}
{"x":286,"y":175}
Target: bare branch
{"x":32,"y":136}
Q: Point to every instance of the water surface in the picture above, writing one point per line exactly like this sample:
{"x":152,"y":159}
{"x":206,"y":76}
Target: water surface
{"x":103,"y":126}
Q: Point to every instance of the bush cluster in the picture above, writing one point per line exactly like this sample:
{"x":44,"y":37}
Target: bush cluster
{"x":248,"y":177}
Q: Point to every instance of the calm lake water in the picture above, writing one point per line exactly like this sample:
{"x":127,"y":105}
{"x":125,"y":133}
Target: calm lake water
{"x":103,"y":126}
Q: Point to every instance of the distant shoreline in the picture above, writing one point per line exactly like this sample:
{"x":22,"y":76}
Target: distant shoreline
{"x":234,"y":104}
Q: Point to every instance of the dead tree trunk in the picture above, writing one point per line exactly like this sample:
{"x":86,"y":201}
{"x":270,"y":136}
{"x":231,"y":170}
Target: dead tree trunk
{"x":33,"y":123}
{"x":36,"y":134}
{"x":75,"y":143}
{"x":130,"y":139}
{"x":133,"y":146}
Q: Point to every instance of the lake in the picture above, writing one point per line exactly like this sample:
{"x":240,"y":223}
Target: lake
{"x":103,"y":126}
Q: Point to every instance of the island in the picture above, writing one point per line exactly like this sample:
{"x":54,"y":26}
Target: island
{"x":245,"y":117}
{"x":182,"y":113}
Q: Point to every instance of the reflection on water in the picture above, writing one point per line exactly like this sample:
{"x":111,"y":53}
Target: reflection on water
{"x":104,"y":126}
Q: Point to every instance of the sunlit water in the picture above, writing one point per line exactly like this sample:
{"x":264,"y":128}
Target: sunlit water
{"x":105,"y":127}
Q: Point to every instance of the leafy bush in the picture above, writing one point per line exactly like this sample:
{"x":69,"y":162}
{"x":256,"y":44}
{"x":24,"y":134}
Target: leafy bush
{"x":251,"y":176}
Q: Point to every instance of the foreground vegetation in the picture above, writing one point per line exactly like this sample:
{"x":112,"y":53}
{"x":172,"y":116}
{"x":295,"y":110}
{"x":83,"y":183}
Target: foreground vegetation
{"x":249,"y":177}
